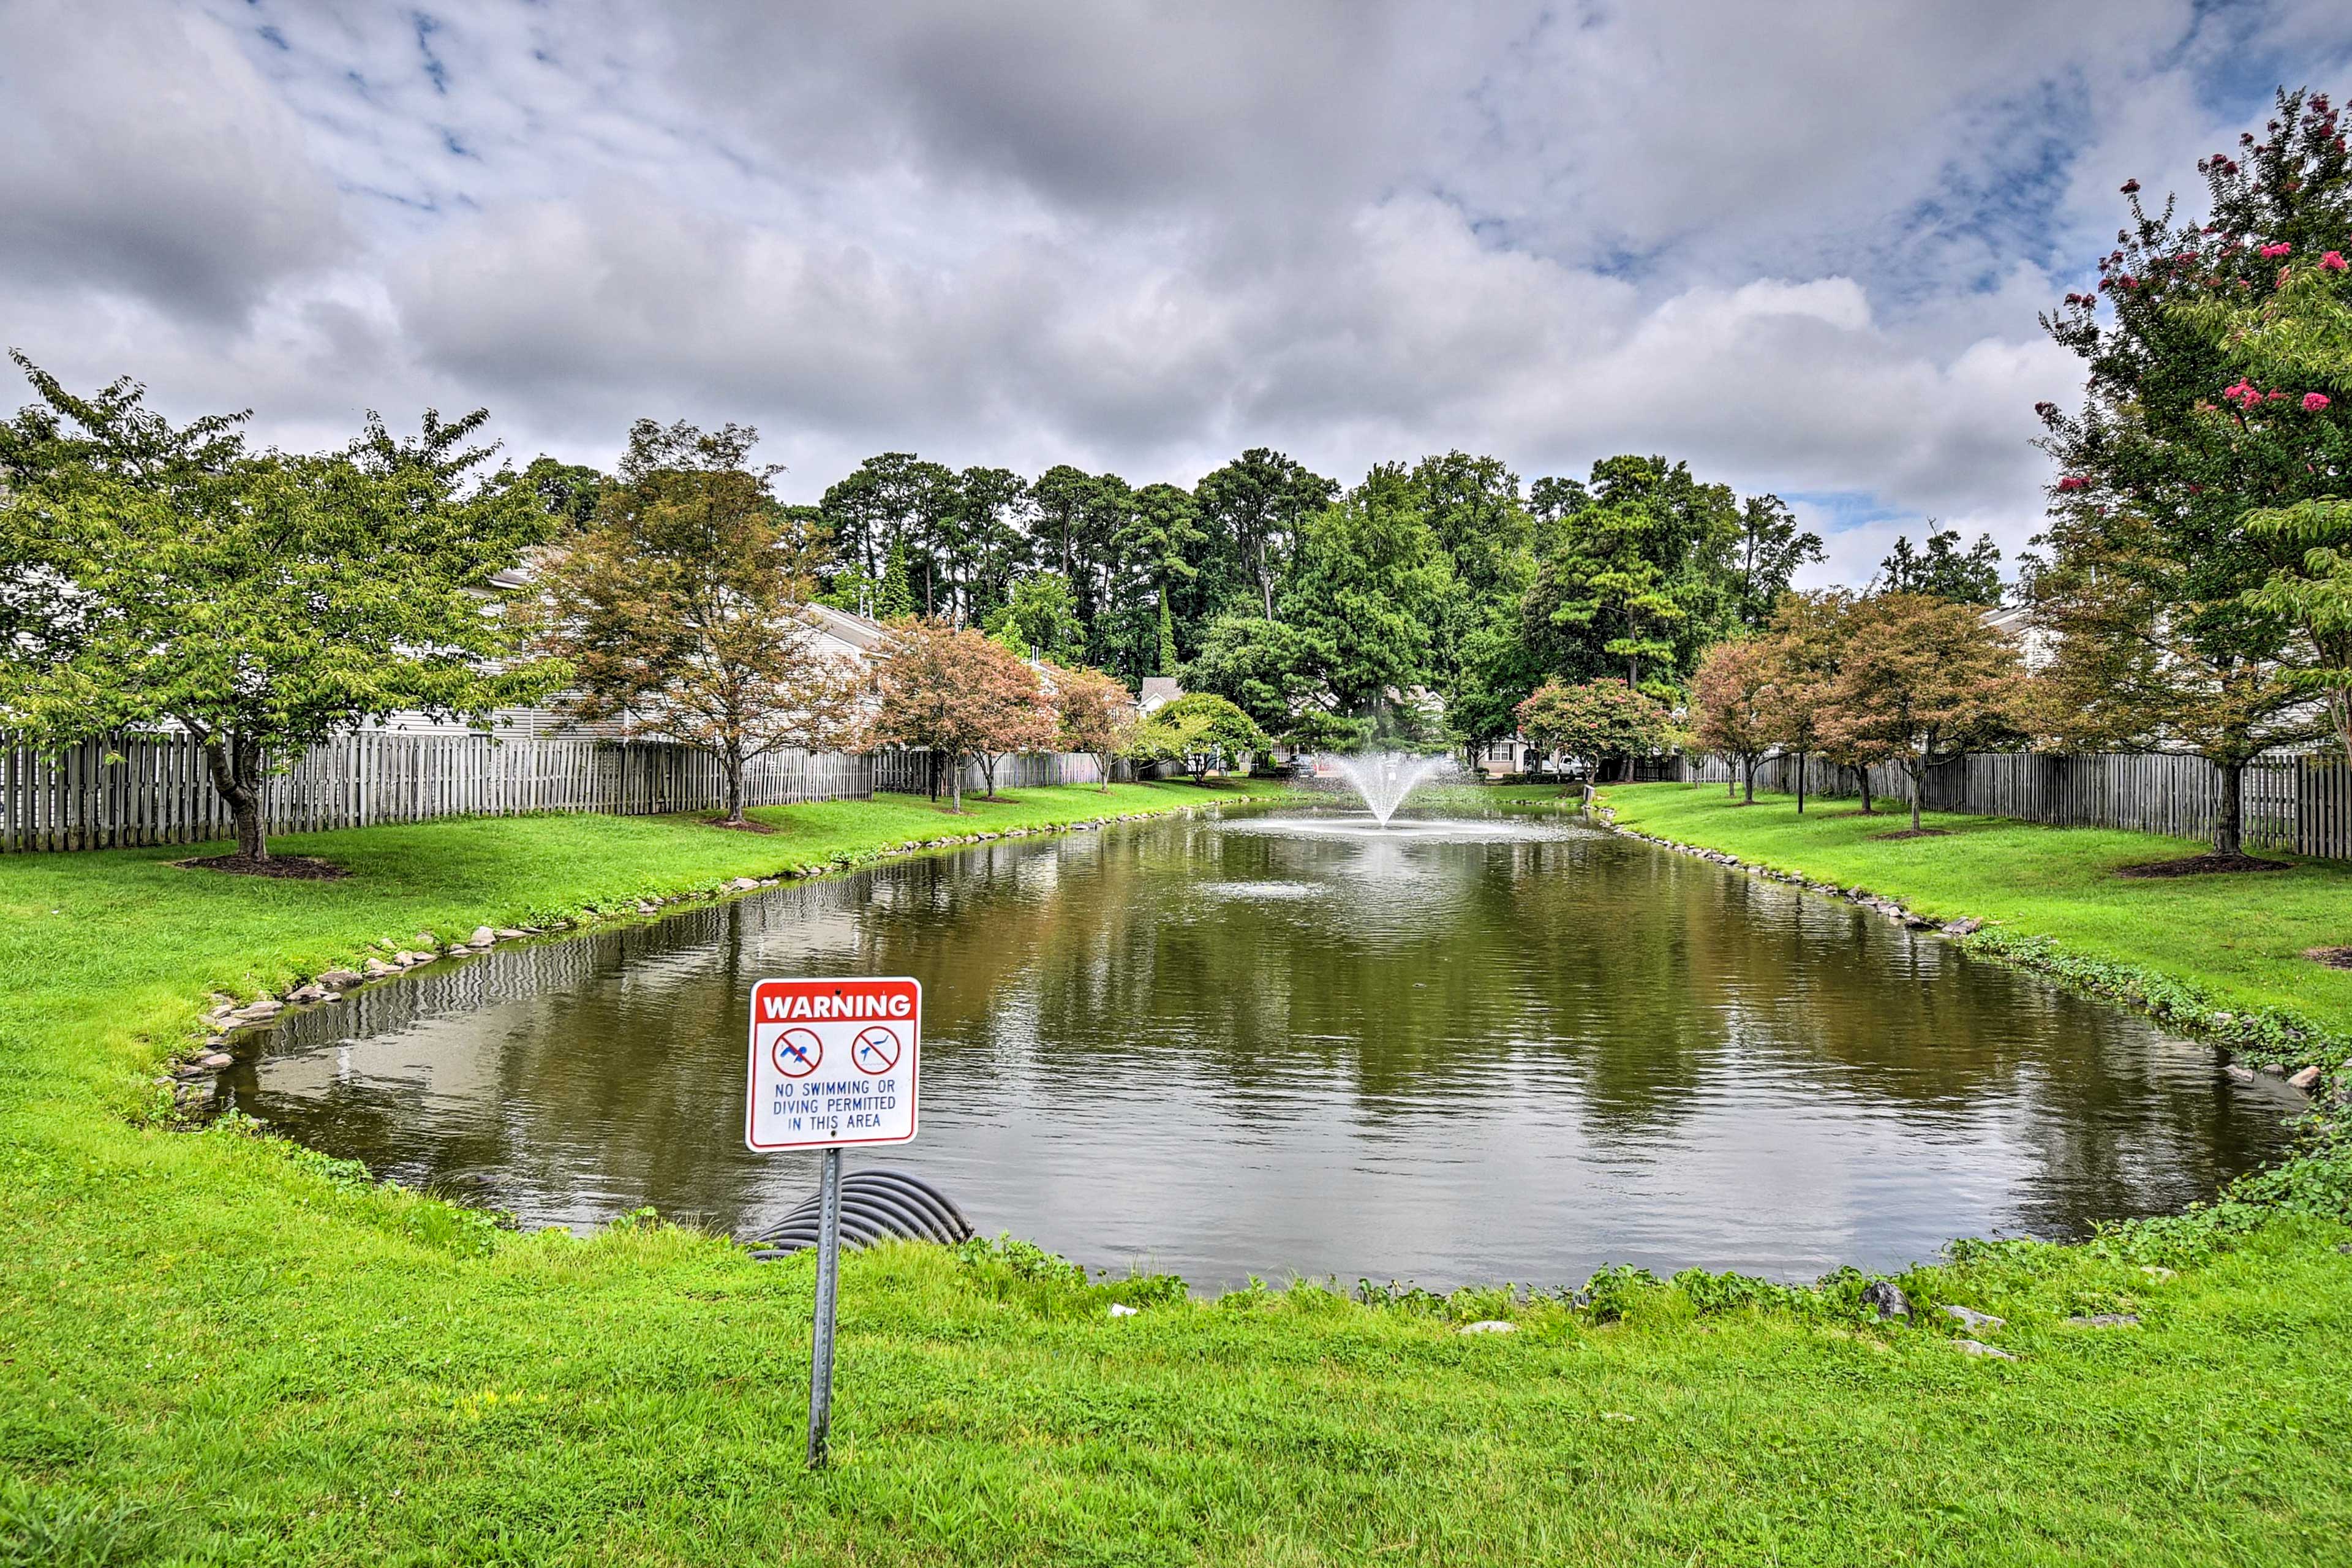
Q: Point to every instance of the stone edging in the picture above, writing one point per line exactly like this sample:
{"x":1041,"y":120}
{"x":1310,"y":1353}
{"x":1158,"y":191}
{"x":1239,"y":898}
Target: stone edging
{"x":2307,"y":1075}
{"x":189,"y":1073}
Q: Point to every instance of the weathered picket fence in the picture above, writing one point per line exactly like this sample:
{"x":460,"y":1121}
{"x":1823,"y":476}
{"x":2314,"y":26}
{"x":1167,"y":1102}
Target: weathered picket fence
{"x":156,"y":789}
{"x":2301,"y":805}
{"x":910,"y":771}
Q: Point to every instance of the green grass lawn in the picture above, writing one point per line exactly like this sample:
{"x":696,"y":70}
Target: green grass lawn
{"x":2238,"y":939}
{"x":218,"y":1348}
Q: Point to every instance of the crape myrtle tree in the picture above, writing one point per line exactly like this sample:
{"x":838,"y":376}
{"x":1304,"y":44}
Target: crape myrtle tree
{"x":1599,"y":720}
{"x":1730,"y":698}
{"x":2299,"y":340}
{"x":955,"y":692}
{"x":684,"y":608}
{"x":159,"y":574}
{"x":1095,"y":713}
{"x":2150,"y":585}
{"x":1921,"y":680}
{"x":1802,"y":649}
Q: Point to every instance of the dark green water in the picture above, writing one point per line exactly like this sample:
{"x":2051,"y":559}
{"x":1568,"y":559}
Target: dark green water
{"x":1275,"y":1044}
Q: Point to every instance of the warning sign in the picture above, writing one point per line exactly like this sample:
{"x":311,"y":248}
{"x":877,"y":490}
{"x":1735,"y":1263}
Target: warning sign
{"x":832,"y":1062}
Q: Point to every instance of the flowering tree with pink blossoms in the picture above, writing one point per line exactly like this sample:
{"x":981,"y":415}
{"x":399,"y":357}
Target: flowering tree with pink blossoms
{"x":2155,"y":582}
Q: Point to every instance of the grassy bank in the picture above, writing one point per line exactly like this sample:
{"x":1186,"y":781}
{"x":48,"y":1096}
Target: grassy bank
{"x":218,"y":1348}
{"x":2192,"y":946}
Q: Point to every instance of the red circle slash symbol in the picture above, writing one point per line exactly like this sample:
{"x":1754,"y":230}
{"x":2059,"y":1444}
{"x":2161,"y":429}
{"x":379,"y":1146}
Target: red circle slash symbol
{"x":797,"y":1052}
{"x":876,"y":1050}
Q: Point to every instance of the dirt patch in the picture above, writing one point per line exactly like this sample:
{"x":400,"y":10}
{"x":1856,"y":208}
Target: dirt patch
{"x":2332,"y":957}
{"x":2202,"y":866}
{"x":1911,"y":833}
{"x":296,"y":868}
{"x":746,"y":826}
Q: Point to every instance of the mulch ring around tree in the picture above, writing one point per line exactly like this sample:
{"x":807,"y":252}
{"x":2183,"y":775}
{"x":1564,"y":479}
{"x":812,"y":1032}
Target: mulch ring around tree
{"x":2332,"y":957}
{"x":2202,"y":866}
{"x":296,"y":868}
{"x":746,"y":826}
{"x":1911,"y":833}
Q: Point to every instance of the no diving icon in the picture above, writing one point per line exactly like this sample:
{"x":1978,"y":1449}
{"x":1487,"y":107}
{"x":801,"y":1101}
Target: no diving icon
{"x":876,"y":1050}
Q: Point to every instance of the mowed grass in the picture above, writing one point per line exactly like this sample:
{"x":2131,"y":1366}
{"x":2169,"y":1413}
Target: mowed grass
{"x":2241,"y":936}
{"x":218,"y":1348}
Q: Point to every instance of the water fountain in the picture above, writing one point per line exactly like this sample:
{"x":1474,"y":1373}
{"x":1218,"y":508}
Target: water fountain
{"x":1385,"y":778}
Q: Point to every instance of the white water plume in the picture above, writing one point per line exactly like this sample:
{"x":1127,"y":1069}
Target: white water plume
{"x":1385,"y":778}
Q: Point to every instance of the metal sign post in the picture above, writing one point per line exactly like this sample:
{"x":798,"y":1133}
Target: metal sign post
{"x":828,"y":1273}
{"x":834,"y":1063}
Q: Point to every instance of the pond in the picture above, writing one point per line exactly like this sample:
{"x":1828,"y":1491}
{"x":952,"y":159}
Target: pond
{"x":1277,"y":1044}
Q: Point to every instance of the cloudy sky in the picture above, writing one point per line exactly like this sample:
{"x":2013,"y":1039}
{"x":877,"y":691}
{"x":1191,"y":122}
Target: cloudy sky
{"x":1801,"y":244}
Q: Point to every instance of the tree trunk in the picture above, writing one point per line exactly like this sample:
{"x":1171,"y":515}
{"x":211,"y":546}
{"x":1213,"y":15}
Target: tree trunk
{"x":932,"y":763}
{"x":2229,"y":837}
{"x":1800,"y":783}
{"x":1918,"y":770}
{"x":1103,"y":761}
{"x":988,"y":761}
{"x":1751,"y":781}
{"x":1861,"y":772}
{"x":733,"y":756}
{"x":235,"y":762}
{"x":955,"y":785}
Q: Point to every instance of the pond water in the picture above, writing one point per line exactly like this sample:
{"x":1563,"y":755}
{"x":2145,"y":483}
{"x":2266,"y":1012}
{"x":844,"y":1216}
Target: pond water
{"x":1278,"y":1044}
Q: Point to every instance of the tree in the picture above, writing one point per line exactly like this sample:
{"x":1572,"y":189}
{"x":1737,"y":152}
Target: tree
{"x":952,"y":691}
{"x":1729,"y":692}
{"x":2151,"y":591}
{"x":1802,"y":651}
{"x":1638,"y":578}
{"x":685,"y":607}
{"x":2299,"y":341}
{"x":1973,"y":578}
{"x":1264,"y":668}
{"x":1040,"y":619}
{"x":1363,"y":595}
{"x":1160,"y":538}
{"x":1095,"y":713}
{"x":1921,"y":679}
{"x":1597,"y":720}
{"x":161,"y":575}
{"x":1771,"y":548}
{"x":1254,"y":507}
{"x":1198,"y":730}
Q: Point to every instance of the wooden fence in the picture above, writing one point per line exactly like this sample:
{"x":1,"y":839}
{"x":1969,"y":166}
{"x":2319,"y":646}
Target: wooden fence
{"x":910,"y":771}
{"x":156,"y":789}
{"x":2301,"y":805}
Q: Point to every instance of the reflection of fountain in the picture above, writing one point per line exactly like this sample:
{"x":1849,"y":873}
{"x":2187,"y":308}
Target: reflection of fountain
{"x":1385,"y":778}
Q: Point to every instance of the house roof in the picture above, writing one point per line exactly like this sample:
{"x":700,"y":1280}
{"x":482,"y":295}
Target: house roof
{"x":1159,"y":690}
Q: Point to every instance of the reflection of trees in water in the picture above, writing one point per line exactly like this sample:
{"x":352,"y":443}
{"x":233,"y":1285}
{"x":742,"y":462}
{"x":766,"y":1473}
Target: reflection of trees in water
{"x":1618,"y":984}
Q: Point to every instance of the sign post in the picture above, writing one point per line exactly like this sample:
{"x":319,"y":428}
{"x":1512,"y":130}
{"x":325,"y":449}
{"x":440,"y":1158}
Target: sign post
{"x":834,"y":1063}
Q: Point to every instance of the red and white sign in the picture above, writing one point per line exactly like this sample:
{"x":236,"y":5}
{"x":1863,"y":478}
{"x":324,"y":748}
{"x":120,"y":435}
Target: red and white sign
{"x":832,"y":1062}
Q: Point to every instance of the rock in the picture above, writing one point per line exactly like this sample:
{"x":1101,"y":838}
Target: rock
{"x":2105,"y":1321}
{"x":1976,"y":1347}
{"x":1963,"y":928}
{"x":510,"y":933}
{"x":1970,"y":1318}
{"x":2306,"y":1080}
{"x":341,"y":979}
{"x":457,"y":950}
{"x":217,"y":1060}
{"x":2242,"y":1074}
{"x":376,"y":968}
{"x":1488,"y":1326}
{"x":645,"y":907}
{"x":1122,"y":1309}
{"x":742,"y":884}
{"x":483,"y":937}
{"x":306,"y":993}
{"x":425,"y":938}
{"x":265,"y":1008}
{"x":1917,"y":922}
{"x":2276,"y":1069}
{"x":1885,"y":1299}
